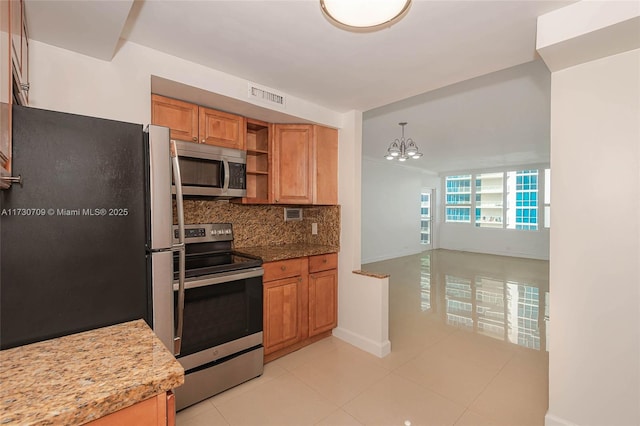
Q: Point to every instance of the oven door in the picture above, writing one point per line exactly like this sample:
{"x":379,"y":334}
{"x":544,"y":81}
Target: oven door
{"x":222,"y":316}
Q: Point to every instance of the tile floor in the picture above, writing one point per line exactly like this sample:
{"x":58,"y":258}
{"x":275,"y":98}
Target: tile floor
{"x":468,"y":335}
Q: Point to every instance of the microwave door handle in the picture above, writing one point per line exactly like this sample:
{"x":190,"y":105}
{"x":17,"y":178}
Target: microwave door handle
{"x":177,"y":340}
{"x":225,"y":178}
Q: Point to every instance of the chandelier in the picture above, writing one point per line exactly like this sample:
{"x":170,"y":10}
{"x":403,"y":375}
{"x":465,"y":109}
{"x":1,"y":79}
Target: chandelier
{"x":364,"y":15}
{"x":401,"y":149}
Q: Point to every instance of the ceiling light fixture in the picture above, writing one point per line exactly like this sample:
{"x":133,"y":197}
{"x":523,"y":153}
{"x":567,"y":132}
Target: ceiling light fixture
{"x":364,"y":15}
{"x":401,"y":149}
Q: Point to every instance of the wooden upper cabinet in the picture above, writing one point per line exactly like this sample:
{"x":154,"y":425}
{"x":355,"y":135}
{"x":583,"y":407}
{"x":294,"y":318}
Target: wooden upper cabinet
{"x":190,"y":122}
{"x":325,"y":153}
{"x":180,"y":117}
{"x":221,"y":129}
{"x":292,"y":162}
{"x":305,"y":164}
{"x":19,"y":51}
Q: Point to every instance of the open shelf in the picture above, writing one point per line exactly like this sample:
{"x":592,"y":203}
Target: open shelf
{"x":258,"y":162}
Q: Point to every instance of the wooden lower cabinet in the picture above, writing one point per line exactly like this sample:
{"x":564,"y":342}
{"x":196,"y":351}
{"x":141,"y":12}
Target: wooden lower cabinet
{"x":300,"y":303}
{"x":282,"y":312}
{"x":159,"y":410}
{"x":323,"y":307}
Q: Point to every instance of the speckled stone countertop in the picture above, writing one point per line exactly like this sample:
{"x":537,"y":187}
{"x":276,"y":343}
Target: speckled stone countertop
{"x":75,"y":379}
{"x":287,"y":251}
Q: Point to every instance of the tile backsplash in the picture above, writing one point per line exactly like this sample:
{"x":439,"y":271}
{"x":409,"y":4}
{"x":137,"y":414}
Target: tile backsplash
{"x":264,"y":225}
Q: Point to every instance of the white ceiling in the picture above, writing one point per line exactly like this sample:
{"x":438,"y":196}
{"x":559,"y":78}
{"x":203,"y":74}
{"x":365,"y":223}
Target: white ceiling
{"x":290,"y":46}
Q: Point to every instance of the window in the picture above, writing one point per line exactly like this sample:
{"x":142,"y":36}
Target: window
{"x":489,"y":200}
{"x":500,"y":200}
{"x":522,"y":199}
{"x":547,"y":198}
{"x":425,"y":218}
{"x":458,"y":199}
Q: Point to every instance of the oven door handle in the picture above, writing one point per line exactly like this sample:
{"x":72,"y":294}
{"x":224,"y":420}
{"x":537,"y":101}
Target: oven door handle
{"x":221,"y":278}
{"x":179,"y":247}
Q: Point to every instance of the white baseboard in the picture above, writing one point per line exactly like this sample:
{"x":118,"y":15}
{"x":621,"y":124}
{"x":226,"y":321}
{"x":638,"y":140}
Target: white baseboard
{"x":379,"y":349}
{"x":551,"y":420}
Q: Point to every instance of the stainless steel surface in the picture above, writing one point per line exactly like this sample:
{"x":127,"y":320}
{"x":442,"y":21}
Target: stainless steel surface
{"x":162,"y":279}
{"x":213,"y":354}
{"x":12,"y":179}
{"x":210,"y":152}
{"x":179,"y":247}
{"x":205,"y":383}
{"x":212,"y":232}
{"x":160,"y":188}
{"x":225,"y":184}
{"x":221,"y":278}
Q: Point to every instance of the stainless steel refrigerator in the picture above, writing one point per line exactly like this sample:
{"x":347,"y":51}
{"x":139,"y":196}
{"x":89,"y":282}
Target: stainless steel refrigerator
{"x":89,"y":228}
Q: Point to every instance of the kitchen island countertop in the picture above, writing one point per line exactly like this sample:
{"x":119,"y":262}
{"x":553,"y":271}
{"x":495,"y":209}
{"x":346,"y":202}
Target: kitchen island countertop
{"x":81,"y":377}
{"x":287,"y":251}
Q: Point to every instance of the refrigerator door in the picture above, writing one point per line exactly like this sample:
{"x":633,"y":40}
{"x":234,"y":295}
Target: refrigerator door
{"x":160,"y":199}
{"x":73,"y":235}
{"x":163,"y":304}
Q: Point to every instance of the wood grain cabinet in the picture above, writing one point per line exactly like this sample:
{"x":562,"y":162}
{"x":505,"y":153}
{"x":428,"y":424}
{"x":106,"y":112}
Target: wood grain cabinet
{"x":14,"y":75}
{"x":19,"y":51}
{"x":284,"y":303}
{"x":159,"y":410}
{"x":323,"y":293}
{"x":190,"y":122}
{"x":305,"y":164}
{"x":300,"y":303}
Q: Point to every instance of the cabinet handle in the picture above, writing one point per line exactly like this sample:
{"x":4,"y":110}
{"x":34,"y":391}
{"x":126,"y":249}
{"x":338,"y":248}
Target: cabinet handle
{"x":195,"y":139}
{"x":284,"y":268}
{"x":203,"y":140}
{"x":324,"y":260}
{"x":299,"y":280}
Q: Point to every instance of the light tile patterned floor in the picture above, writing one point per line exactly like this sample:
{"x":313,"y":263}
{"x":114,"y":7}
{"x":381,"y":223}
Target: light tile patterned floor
{"x":459,"y":324}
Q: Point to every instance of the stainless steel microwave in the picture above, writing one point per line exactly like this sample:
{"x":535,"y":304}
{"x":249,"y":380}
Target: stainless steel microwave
{"x":212,"y":171}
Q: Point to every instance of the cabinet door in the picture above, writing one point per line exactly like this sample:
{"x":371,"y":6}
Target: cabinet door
{"x":282,"y":313}
{"x":323,"y":301}
{"x":221,"y":129}
{"x":20,"y":50}
{"x":5,"y":91}
{"x":181,"y":117}
{"x":325,"y":153}
{"x":292,"y":164}
{"x":150,"y":412}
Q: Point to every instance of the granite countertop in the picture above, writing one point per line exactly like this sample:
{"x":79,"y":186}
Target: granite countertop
{"x":81,"y":377}
{"x":287,"y":251}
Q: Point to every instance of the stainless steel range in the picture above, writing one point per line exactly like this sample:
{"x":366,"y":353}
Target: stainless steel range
{"x":219,"y":313}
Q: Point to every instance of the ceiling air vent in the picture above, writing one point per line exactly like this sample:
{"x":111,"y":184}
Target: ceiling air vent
{"x":292,"y":214}
{"x":266,"y":95}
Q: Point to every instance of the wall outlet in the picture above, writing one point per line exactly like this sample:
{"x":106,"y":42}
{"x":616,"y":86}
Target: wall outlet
{"x":314,"y":229}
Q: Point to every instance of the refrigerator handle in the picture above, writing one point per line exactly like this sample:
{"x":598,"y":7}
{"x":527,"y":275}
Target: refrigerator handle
{"x":177,"y":340}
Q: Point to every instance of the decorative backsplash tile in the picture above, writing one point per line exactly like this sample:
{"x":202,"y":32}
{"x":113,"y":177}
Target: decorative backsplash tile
{"x":264,"y":225}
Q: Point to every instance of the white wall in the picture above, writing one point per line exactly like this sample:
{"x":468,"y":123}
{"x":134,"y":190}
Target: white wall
{"x":66,"y":81}
{"x":504,"y":242}
{"x":391,"y":209}
{"x":594,"y":364}
{"x":594,"y":356}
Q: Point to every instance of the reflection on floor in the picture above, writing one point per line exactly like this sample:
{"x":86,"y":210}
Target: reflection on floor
{"x":468,"y":336}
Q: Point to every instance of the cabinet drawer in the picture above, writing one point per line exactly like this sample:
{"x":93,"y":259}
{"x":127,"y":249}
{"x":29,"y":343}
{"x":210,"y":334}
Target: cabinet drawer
{"x":323,"y":262}
{"x":284,"y":269}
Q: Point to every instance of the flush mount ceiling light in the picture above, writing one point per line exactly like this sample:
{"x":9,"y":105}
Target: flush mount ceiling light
{"x":401,"y":150}
{"x":364,"y":15}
